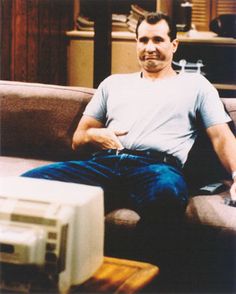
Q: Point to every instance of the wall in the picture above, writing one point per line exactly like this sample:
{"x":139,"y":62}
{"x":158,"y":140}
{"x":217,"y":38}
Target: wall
{"x":33,"y":42}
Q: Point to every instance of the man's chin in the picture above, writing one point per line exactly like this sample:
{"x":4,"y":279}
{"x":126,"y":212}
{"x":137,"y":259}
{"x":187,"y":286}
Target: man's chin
{"x":152,"y":67}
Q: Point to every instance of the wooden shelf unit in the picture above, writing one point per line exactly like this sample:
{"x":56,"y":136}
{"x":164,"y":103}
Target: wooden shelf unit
{"x":217,"y":53}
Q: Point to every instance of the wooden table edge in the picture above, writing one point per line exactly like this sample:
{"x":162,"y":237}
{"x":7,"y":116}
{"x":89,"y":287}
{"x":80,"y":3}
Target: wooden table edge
{"x":140,"y":279}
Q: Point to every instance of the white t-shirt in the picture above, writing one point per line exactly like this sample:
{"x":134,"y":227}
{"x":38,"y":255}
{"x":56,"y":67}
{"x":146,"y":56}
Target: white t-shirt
{"x":158,"y":115}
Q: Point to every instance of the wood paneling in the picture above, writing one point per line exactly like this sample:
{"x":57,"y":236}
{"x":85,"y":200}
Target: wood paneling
{"x":205,"y":10}
{"x":34,"y":34}
{"x":5,"y":39}
{"x":225,"y":7}
{"x":20,"y":40}
{"x":33,"y":49}
{"x":201,"y":14}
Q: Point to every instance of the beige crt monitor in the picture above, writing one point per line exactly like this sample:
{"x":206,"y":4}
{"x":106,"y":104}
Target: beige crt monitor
{"x":54,"y":228}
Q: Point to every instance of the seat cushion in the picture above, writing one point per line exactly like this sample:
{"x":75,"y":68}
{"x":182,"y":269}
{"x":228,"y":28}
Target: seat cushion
{"x":15,"y":166}
{"x":212,"y":211}
{"x":123,"y":218}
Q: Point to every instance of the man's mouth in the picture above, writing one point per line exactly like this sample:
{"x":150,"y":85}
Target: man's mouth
{"x":150,"y":57}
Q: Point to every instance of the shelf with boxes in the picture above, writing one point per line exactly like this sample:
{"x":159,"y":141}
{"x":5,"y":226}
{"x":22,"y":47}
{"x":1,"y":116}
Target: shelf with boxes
{"x":123,"y":13}
{"x":193,"y":46}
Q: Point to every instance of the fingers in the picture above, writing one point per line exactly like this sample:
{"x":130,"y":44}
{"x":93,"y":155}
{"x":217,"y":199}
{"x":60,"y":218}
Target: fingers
{"x":120,"y":133}
{"x":106,"y":138}
{"x":116,"y":142}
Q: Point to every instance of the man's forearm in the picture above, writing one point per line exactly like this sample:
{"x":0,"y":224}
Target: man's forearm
{"x":80,"y":139}
{"x":224,"y":143}
{"x":101,"y":138}
{"x":226,"y":151}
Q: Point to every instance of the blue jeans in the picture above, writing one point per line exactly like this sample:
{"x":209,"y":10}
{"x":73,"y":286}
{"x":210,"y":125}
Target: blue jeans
{"x":157,"y":191}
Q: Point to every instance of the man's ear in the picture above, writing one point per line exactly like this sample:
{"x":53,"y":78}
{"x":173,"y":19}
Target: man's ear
{"x":175,"y":44}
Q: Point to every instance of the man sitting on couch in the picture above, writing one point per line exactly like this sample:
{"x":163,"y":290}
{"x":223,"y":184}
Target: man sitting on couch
{"x":142,"y":126}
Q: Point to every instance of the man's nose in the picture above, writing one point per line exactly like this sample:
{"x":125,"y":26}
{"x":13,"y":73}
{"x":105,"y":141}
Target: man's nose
{"x":150,"y":46}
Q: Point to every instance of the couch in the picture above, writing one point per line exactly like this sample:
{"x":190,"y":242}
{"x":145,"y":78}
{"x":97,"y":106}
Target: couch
{"x":37,"y":123}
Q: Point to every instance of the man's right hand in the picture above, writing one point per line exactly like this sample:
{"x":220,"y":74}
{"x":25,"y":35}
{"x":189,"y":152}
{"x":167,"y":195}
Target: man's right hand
{"x":92,"y":132}
{"x":105,"y":138}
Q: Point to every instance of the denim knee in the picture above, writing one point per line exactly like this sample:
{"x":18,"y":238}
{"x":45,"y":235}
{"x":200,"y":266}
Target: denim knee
{"x":167,"y":199}
{"x":50,"y":172}
{"x":173,"y":189}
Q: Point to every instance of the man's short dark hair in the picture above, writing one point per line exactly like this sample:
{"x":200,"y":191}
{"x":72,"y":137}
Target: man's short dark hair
{"x":155,"y":17}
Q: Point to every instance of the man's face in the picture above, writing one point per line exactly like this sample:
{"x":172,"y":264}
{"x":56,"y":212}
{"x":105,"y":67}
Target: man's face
{"x":154,"y":47}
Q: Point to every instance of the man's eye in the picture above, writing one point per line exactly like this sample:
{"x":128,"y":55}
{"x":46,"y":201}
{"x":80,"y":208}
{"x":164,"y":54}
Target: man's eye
{"x":143,"y":40}
{"x":157,"y":40}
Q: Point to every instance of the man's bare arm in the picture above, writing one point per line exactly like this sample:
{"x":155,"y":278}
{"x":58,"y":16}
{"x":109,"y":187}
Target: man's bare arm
{"x":92,"y":132}
{"x":224,"y":143}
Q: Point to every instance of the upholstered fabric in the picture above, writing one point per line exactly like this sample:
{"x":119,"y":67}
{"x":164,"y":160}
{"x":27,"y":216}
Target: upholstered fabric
{"x":38,"y":120}
{"x":230,"y":107}
{"x":212,"y":211}
{"x":15,"y":166}
{"x":123,"y":218}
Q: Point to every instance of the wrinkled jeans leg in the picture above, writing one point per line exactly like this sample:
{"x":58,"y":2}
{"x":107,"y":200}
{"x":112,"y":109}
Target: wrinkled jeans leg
{"x":88,"y":172}
{"x":158,"y":192}
{"x":83,"y":172}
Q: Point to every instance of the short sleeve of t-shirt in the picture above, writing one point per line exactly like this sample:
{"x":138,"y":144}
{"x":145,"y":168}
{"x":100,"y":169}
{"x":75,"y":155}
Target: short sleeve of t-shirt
{"x":97,"y":107}
{"x":209,"y":105}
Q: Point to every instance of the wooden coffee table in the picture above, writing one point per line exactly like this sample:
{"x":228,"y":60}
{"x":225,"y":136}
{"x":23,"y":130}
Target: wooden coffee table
{"x":119,"y":276}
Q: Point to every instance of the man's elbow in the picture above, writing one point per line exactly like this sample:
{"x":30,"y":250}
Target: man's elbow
{"x":73,"y":146}
{"x":74,"y":143}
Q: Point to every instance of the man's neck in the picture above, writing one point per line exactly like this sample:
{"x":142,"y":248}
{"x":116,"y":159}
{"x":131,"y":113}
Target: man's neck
{"x":158,"y":75}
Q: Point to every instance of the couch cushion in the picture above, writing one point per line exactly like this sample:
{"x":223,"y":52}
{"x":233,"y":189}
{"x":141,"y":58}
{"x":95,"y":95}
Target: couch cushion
{"x":212,"y":211}
{"x":38,"y":120}
{"x":122,"y":217}
{"x":13,"y":166}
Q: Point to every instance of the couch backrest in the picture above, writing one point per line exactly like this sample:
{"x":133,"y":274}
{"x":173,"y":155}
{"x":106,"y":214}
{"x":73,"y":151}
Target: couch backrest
{"x":230,"y":105}
{"x":38,"y":120}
